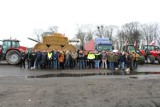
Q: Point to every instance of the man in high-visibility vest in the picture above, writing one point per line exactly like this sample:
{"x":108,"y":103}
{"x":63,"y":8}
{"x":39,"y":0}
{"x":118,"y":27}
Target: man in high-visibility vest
{"x":91,"y":57}
{"x":49,"y":58}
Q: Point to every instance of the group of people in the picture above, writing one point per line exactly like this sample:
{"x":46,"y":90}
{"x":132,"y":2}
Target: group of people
{"x":80,"y":59}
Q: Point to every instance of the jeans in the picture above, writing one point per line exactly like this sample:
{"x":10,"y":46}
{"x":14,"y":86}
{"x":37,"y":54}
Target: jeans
{"x":54,"y":64}
{"x":135,"y":64}
{"x":112,"y":67}
{"x":97,"y":64}
{"x":104,"y":64}
{"x":122,"y":67}
{"x":81,"y":64}
{"x":37,"y":63}
{"x":67,"y":63}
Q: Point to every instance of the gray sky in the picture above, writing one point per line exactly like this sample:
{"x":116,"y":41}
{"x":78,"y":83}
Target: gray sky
{"x":20,"y":18}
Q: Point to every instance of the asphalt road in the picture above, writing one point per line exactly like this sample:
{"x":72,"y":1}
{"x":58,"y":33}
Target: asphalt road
{"x":92,"y":91}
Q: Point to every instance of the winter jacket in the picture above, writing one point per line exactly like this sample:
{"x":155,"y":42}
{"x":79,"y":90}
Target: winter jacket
{"x":38,"y":55}
{"x":33,"y":56}
{"x":23,"y":56}
{"x":122,"y":58}
{"x":55,"y":55}
{"x":117,"y":58}
{"x":104,"y":56}
{"x":61,"y":57}
{"x":111,"y":58}
{"x":74,"y":55}
{"x":98,"y":56}
{"x":44,"y":57}
{"x":67,"y":56}
{"x":81,"y":56}
{"x":136,"y":56}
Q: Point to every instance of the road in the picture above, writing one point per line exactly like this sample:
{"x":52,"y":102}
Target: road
{"x":94,"y":91}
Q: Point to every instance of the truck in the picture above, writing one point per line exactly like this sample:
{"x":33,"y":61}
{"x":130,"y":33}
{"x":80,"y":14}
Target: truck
{"x":99,"y":44}
{"x":10,"y":51}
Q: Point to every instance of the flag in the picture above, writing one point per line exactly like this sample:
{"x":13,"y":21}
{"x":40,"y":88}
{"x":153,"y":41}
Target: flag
{"x":152,"y":43}
{"x":135,"y":44}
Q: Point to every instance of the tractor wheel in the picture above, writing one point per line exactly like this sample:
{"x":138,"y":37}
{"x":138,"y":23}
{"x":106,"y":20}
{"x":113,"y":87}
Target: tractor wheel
{"x":13,"y":57}
{"x":141,"y":60}
{"x":150,"y":59}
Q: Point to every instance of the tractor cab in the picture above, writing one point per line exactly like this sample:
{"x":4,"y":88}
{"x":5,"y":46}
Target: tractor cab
{"x":148,"y":49}
{"x":7,"y":44}
{"x":10,"y":50}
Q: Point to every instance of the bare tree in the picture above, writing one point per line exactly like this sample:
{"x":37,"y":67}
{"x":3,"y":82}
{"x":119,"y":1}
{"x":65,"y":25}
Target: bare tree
{"x":121,"y":38}
{"x":151,"y":32}
{"x":81,"y":35}
{"x":89,"y":32}
{"x":53,"y":29}
{"x":38,"y":34}
{"x":100,"y":31}
{"x":106,"y":31}
{"x":131,"y":32}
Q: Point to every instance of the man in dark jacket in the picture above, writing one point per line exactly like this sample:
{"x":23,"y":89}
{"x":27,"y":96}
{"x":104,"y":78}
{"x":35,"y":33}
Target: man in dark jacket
{"x":44,"y":60}
{"x":28,"y":57}
{"x":23,"y":59}
{"x":55,"y":59}
{"x":81,"y":59}
{"x":32,"y":58}
{"x":38,"y":58}
{"x":122,"y":62}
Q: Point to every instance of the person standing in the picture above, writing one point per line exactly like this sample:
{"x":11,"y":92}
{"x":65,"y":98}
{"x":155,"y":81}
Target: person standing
{"x":28,"y":57}
{"x":122,"y":62}
{"x":33,"y":59}
{"x":38,"y":58}
{"x":135,"y":61}
{"x":23,"y":59}
{"x":104,"y":60}
{"x":61,"y":60}
{"x":116,"y":60}
{"x":81,"y":59}
{"x":97,"y":59}
{"x":74,"y":56}
{"x":111,"y":59}
{"x":67,"y":59}
{"x":85,"y":58}
{"x":131,"y":62}
{"x":49,"y":59}
{"x":44,"y":60}
{"x":55,"y":59}
{"x":91,"y":58}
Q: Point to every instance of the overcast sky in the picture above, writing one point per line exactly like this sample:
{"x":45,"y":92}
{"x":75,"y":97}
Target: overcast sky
{"x":20,"y":18}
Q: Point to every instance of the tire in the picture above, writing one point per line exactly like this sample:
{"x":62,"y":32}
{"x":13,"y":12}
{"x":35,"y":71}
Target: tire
{"x":13,"y":57}
{"x":150,"y":59}
{"x":141,"y":60}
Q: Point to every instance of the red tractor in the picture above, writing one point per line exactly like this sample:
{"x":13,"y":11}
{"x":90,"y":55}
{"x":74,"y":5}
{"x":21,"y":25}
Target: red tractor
{"x":151,"y":53}
{"x":10,"y":50}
